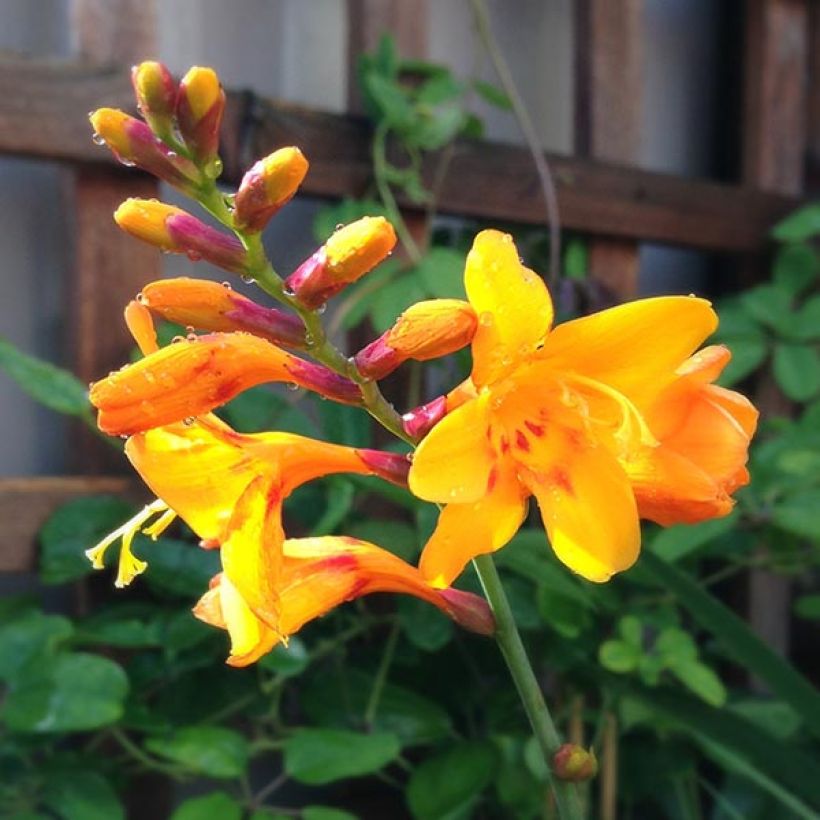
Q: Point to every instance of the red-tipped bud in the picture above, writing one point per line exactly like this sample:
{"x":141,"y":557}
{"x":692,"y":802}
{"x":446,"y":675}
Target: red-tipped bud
{"x":424,"y":331}
{"x":200,"y":106}
{"x":156,"y":94}
{"x":421,"y":420}
{"x":267,"y":186}
{"x":133,"y":143}
{"x":392,"y":467}
{"x":349,"y":254}
{"x":574,"y":763}
{"x":470,"y":611}
{"x":175,"y":231}
{"x":208,"y":305}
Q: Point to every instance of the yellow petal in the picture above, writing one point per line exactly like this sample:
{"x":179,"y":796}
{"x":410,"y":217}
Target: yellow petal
{"x":467,"y":530}
{"x":453,"y":462}
{"x":512,"y":303}
{"x":635,"y":347}
{"x":588,"y":508}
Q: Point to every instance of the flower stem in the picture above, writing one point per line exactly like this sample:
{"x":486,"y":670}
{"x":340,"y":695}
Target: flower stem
{"x":509,"y":642}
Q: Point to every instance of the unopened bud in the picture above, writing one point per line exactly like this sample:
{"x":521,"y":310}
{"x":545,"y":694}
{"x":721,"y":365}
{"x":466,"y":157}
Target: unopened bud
{"x":208,"y":305}
{"x":267,"y":186}
{"x":133,"y":143}
{"x":574,"y":763}
{"x":426,"y":330}
{"x":156,"y":94}
{"x":349,"y":254}
{"x":418,"y":422}
{"x":392,"y":467}
{"x":175,"y":231}
{"x":200,"y":106}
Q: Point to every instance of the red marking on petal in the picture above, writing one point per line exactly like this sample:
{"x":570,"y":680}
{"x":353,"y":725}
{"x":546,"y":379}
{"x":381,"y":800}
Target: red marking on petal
{"x":521,"y":441}
{"x":560,"y":478}
{"x":492,"y":478}
{"x":535,"y":429}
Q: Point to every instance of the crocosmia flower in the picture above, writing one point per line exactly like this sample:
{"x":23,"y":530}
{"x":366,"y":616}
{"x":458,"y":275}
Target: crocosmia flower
{"x":604,"y":419}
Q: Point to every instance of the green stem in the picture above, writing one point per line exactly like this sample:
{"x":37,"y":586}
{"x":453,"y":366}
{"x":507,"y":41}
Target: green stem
{"x":381,"y":677}
{"x":509,"y":642}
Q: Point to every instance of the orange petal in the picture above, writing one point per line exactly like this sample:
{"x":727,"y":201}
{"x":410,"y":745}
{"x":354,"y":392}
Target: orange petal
{"x":512,"y":303}
{"x":587,"y":506}
{"x":453,"y":462}
{"x":467,"y":530}
{"x":634,"y":348}
{"x":141,"y":326}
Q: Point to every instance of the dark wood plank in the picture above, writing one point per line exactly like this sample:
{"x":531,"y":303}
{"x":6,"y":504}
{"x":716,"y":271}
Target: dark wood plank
{"x":43,"y":108}
{"x":608,"y":89}
{"x":26,"y":503}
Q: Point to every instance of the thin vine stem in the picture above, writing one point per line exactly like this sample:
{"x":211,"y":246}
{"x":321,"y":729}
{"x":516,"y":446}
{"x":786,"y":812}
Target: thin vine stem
{"x":512,"y":648}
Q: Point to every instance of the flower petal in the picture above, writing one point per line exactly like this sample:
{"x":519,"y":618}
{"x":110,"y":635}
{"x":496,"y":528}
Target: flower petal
{"x":467,"y":530}
{"x":513,"y":304}
{"x":635,"y":347}
{"x":587,"y":506}
{"x":454,"y":461}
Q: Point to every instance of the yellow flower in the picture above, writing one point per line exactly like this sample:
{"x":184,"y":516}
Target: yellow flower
{"x":602,"y":419}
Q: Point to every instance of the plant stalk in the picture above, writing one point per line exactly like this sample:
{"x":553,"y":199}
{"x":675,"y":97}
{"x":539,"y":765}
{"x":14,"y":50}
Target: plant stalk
{"x":509,"y":642}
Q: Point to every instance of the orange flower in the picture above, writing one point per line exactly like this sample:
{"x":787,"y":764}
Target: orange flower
{"x":602,"y":419}
{"x":229,"y":488}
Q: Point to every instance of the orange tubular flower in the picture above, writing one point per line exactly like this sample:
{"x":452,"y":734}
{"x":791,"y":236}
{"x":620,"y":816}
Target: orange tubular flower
{"x":229,"y":488}
{"x":603,"y":419}
{"x":194,"y":376}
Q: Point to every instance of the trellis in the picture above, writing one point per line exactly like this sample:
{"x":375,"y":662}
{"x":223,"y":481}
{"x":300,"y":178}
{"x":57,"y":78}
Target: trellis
{"x":42,"y":115}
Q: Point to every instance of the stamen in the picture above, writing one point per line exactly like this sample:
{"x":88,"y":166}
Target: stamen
{"x":159,"y":526}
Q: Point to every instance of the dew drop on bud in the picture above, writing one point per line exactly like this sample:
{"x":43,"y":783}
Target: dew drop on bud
{"x":214,"y":168}
{"x":289,"y":292}
{"x":188,"y":421}
{"x":293,"y":386}
{"x":321,"y":309}
{"x":172,"y":155}
{"x":227,"y":285}
{"x":98,"y":139}
{"x":142,"y":298}
{"x":339,"y":226}
{"x":128,"y":163}
{"x":177,"y":339}
{"x":247,"y":278}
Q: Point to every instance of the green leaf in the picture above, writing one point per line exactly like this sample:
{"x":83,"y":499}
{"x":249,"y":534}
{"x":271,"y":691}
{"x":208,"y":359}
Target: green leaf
{"x":393,"y":299}
{"x":801,"y":225}
{"x":177,"y":567}
{"x":318,"y":756}
{"x":213,"y":751}
{"x":74,"y":528}
{"x":82,"y":795}
{"x":797,"y":514}
{"x":576,"y":259}
{"x":412,"y":718}
{"x":747,"y":356}
{"x":344,"y":424}
{"x":72,"y":692}
{"x":53,"y":387}
{"x":769,"y":305}
{"x":564,"y":613}
{"x":683,"y":540}
{"x":808,"y":606}
{"x":127,"y":626}
{"x":795,"y":268}
{"x":325,"y":813}
{"x":437,"y":128}
{"x":493,"y":95}
{"x":390,"y":99}
{"x":400,"y":538}
{"x":807,"y":320}
{"x":441,"y":273}
{"x":447,"y":781}
{"x":212,"y":806}
{"x":738,"y":639}
{"x":340,"y":496}
{"x":676,"y":646}
{"x":700,"y":679}
{"x":438,"y":89}
{"x":631,"y":630}
{"x":32,"y":637}
{"x":619,"y":656}
{"x":287,"y":661}
{"x":797,"y":370}
{"x":423,"y":624}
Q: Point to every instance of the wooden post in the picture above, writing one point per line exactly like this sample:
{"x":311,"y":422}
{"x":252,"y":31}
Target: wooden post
{"x":608,"y":68}
{"x":774,"y":154}
{"x":109,"y":266}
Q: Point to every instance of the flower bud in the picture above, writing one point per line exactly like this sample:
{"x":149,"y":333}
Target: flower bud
{"x":469,"y":611}
{"x":418,"y":422}
{"x":351,"y":252}
{"x":200,"y":106}
{"x":210,"y":306}
{"x":424,"y":331}
{"x":267,"y":186}
{"x":175,"y":231}
{"x":156,"y":94}
{"x":574,"y":763}
{"x":133,"y":143}
{"x":392,"y":467}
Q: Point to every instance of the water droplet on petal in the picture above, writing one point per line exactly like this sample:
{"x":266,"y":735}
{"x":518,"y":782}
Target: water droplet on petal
{"x":142,"y":299}
{"x":293,"y":386}
{"x":321,"y":309}
{"x":98,"y":139}
{"x":247,"y":278}
{"x":227,"y":285}
{"x":188,"y":421}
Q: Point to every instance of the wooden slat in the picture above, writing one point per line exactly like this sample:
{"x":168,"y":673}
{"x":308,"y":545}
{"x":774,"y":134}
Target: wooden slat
{"x":609,"y":62}
{"x":42,"y":114}
{"x":109,"y":268}
{"x":26,"y":503}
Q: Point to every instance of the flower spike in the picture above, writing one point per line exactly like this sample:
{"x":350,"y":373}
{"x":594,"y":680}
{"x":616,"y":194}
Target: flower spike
{"x":133,"y":143}
{"x":175,"y":231}
{"x":267,"y":186}
{"x":426,"y":330}
{"x":349,"y":254}
{"x":211,"y":306}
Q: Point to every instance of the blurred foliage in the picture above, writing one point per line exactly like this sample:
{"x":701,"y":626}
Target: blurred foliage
{"x":383,"y":707}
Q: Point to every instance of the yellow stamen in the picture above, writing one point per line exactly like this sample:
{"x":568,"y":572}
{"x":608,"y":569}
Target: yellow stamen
{"x":159,"y":526}
{"x":129,"y":565}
